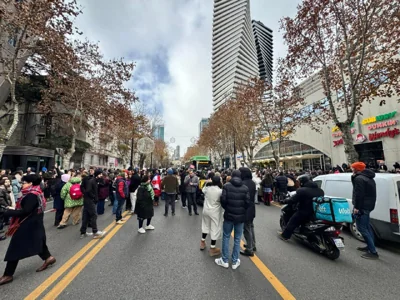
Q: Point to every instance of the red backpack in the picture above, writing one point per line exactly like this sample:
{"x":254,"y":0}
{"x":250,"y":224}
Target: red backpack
{"x":75,"y":191}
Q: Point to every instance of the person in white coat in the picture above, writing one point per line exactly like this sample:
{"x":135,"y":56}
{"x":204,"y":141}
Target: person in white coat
{"x":212,"y":219}
{"x":257,"y":180}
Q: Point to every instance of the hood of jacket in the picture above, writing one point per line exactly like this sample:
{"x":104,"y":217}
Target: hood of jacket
{"x":368,"y":173}
{"x":75,"y":180}
{"x":236,"y":181}
{"x":245,"y":173}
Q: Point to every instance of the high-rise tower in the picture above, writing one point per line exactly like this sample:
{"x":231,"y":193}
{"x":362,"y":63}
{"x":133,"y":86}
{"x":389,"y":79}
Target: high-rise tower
{"x":234,"y":54}
{"x":264,"y":46}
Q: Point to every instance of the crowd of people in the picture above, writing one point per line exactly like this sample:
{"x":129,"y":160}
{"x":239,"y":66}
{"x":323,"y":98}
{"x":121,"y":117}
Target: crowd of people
{"x":230,"y":197}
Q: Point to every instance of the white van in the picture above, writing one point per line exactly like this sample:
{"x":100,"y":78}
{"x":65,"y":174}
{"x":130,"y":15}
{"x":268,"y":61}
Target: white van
{"x":385,"y":216}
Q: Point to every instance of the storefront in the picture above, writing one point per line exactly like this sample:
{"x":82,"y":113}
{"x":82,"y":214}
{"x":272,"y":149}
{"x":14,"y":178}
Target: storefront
{"x":294,"y":156}
{"x":27,"y":157}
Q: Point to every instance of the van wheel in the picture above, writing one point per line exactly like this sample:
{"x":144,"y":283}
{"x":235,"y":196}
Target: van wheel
{"x":354,"y":231}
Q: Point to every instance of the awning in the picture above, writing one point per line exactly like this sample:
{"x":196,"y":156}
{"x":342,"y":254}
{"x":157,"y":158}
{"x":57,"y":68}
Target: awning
{"x":288,"y":158}
{"x":28,"y":151}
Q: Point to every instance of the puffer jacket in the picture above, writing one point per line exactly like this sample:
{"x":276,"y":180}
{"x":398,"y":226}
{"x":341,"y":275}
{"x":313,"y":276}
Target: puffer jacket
{"x":364,"y":190}
{"x":281,"y":183}
{"x":16,"y":189}
{"x":235,"y":200}
{"x":247,"y":179}
{"x":68,"y":202}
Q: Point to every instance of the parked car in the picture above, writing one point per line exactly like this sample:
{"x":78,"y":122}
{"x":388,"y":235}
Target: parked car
{"x":385,"y":216}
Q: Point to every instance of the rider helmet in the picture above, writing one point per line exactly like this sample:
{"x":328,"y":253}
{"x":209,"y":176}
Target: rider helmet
{"x":303,"y":179}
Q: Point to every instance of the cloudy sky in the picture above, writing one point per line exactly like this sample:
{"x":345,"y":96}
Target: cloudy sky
{"x":170,"y":41}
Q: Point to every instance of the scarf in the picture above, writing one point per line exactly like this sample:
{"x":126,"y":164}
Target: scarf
{"x":148,"y":187}
{"x":36,"y":190}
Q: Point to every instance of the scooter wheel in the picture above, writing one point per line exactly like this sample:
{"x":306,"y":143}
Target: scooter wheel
{"x":333,"y":253}
{"x":282,"y":224}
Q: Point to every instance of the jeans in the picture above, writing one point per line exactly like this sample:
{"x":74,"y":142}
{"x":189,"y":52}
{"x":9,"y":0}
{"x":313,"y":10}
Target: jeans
{"x":118,"y":212}
{"x":191,"y":197}
{"x":100,"y":207}
{"x":115,"y":204}
{"x":364,"y":227}
{"x":238,"y":231}
{"x":170,"y":199}
{"x":248,"y":232}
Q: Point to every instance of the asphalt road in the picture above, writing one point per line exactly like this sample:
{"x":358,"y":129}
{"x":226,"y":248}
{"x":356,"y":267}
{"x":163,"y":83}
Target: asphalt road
{"x":167,"y":264}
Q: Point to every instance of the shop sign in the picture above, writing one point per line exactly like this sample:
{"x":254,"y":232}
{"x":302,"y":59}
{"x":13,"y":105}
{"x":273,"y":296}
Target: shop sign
{"x":339,"y":134}
{"x":378,"y":118}
{"x":388,"y":133}
{"x":336,"y":128}
{"x":360,"y":138}
{"x":382,"y":125}
{"x":338,"y":142}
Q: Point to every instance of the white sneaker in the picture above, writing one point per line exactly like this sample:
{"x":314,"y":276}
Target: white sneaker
{"x":120,"y":222}
{"x":221,"y":263}
{"x":141,"y":230}
{"x":99,"y":234}
{"x":237,"y":265}
{"x":150,"y":227}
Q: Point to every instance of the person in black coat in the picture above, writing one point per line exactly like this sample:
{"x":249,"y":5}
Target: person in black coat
{"x":248,"y":230}
{"x":182,"y":188}
{"x":144,"y":204}
{"x":133,"y":186}
{"x":281,"y":185}
{"x":90,"y":198}
{"x":235,"y":200}
{"x":304,"y":198}
{"x":30,"y":238}
{"x":58,"y":203}
{"x":364,"y":200}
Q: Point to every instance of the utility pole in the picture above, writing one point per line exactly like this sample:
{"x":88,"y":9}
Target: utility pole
{"x":234,"y":151}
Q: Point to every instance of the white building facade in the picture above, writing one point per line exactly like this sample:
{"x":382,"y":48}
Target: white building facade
{"x":234,"y":54}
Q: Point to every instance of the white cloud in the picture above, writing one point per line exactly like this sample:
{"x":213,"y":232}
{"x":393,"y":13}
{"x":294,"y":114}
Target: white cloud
{"x":171,"y":42}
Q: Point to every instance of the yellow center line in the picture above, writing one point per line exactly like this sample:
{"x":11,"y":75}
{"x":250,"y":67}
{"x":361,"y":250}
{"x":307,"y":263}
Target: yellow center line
{"x":273,"y":280}
{"x":71,"y":275}
{"x":50,"y":280}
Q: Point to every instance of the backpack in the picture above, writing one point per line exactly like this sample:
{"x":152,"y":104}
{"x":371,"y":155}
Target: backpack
{"x":75,"y":192}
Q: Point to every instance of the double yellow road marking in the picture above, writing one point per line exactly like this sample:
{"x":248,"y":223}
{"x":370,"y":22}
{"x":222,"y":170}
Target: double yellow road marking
{"x":67,"y":279}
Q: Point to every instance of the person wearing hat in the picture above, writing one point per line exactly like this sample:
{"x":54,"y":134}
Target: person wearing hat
{"x":364,"y":199}
{"x":212,"y":215}
{"x":27,"y":229}
{"x":170,"y":186}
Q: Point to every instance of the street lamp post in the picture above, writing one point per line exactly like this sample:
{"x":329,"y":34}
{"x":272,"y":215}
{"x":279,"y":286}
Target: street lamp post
{"x":132,"y":153}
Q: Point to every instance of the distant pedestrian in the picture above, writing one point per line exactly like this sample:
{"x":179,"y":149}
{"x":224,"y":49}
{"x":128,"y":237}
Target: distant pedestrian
{"x":170,"y":186}
{"x":212,"y":215}
{"x":133,"y":186}
{"x":72,"y":197}
{"x":235,"y":200}
{"x":183,"y":188}
{"x":122,"y":193}
{"x":58,"y":203}
{"x":144,"y":204}
{"x":248,"y":230}
{"x":90,"y":198}
{"x":364,"y":199}
{"x":191,"y":185}
{"x":27,"y":229}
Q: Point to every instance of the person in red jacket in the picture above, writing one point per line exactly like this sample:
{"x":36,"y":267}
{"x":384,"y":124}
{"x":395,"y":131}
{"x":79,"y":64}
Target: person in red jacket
{"x":121,"y":193}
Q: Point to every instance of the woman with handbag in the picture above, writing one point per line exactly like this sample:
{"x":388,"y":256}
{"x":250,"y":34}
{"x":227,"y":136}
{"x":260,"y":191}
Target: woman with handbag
{"x":27,"y":229}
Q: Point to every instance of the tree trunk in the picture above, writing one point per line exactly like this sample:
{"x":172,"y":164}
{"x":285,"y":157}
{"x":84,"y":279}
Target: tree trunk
{"x":67,"y":156}
{"x":4,"y":139}
{"x":349,"y":149}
